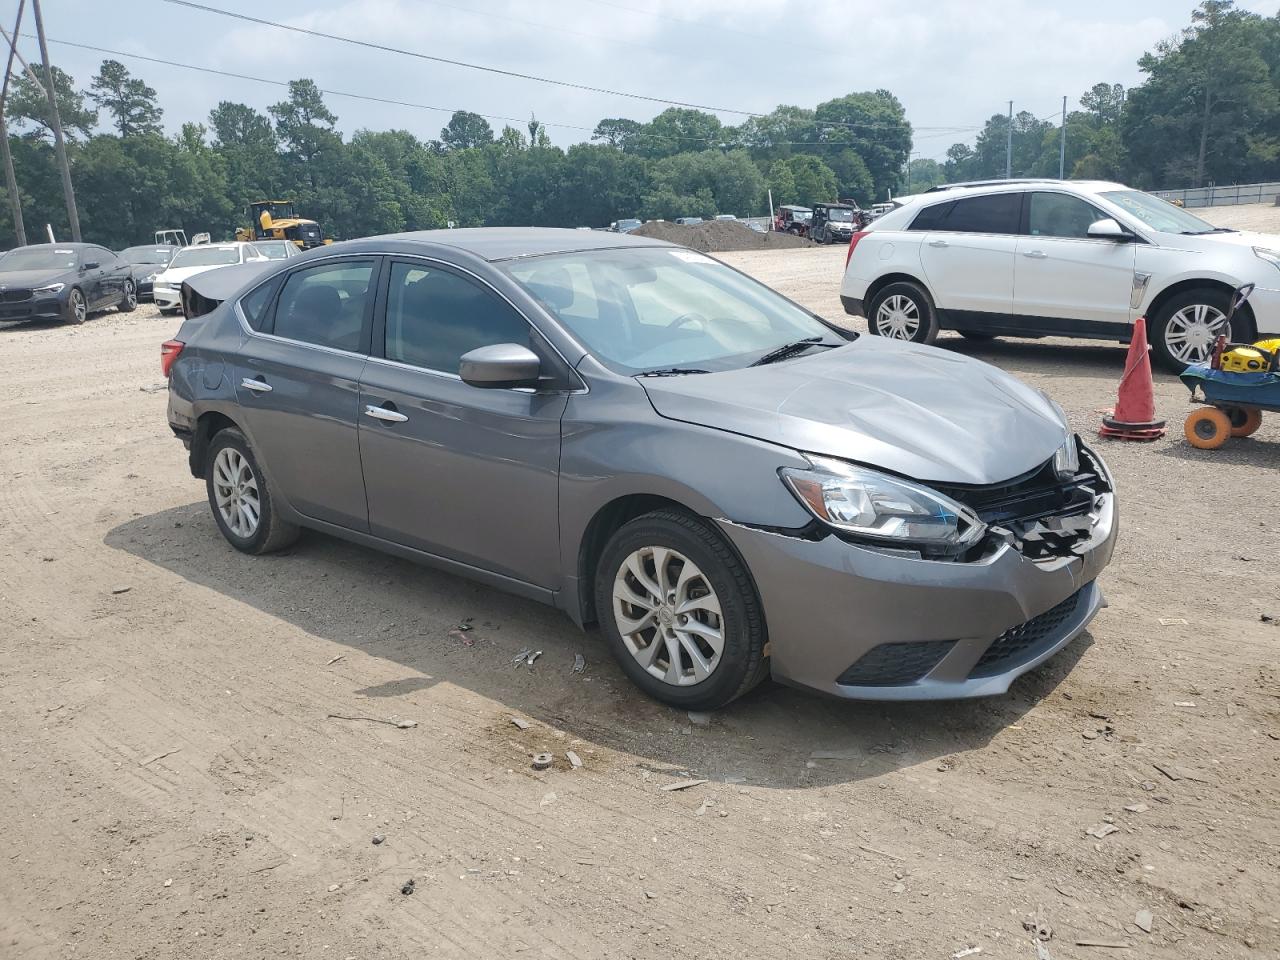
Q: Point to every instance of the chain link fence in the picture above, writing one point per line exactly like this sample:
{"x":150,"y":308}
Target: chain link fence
{"x":1223,"y":196}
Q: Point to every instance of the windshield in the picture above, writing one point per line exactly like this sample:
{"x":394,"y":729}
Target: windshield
{"x":44,"y":258}
{"x":274,"y":249}
{"x":840,"y":215}
{"x":1156,"y":213}
{"x":654,"y":309}
{"x":146,"y":254}
{"x":205,"y":257}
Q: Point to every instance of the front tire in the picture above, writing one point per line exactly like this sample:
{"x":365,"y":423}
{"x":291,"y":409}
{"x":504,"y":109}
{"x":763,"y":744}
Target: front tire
{"x":77,"y":307}
{"x":240,"y":498}
{"x":129,"y":302}
{"x":903,"y":311}
{"x":680,"y":612}
{"x":1185,"y":328}
{"x":1207,"y":428}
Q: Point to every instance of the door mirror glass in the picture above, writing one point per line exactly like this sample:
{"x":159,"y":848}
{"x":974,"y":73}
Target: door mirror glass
{"x":500,"y":365}
{"x":91,"y":265}
{"x":1108,"y":229}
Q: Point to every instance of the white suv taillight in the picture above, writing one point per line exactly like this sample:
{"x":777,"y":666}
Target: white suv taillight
{"x":853,"y":242}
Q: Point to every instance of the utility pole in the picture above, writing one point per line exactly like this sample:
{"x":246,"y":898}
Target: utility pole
{"x":59,"y":144}
{"x":11,"y":181}
{"x":1062,"y":145}
{"x":1008,"y":147}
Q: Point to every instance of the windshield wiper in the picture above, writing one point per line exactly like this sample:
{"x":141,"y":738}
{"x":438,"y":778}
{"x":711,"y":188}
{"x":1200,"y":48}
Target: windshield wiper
{"x":1201,"y":233}
{"x":787,"y":349}
{"x":671,"y":372}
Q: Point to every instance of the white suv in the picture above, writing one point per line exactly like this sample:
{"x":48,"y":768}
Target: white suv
{"x":1033,"y":258}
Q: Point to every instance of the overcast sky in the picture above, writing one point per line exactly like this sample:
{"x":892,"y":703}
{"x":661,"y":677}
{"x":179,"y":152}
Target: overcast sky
{"x":953,"y":63}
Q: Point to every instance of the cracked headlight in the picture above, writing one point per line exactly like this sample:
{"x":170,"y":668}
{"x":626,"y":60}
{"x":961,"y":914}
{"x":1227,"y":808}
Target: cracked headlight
{"x":880,"y":508}
{"x":1066,"y":459}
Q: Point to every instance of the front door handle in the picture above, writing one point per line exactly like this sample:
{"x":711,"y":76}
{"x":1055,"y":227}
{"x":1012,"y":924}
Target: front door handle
{"x":1036,"y":255}
{"x":384,"y":413}
{"x":939,"y":243}
{"x":257,"y":386}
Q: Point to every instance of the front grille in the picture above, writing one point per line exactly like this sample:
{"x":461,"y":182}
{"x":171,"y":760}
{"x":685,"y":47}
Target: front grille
{"x":895,"y":664}
{"x":17,"y":295}
{"x":1019,"y":644}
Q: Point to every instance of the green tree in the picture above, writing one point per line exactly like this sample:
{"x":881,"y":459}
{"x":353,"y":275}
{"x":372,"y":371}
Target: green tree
{"x":874,"y":124}
{"x":815,"y":182}
{"x":781,"y":183}
{"x":130,"y":102}
{"x":28,"y":108}
{"x":617,"y":132}
{"x":923,"y":173}
{"x":305,"y":127}
{"x":677,"y":130}
{"x":466,"y":129}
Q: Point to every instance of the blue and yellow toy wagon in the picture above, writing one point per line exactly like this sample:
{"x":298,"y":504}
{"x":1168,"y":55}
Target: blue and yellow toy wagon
{"x":1236,"y":384}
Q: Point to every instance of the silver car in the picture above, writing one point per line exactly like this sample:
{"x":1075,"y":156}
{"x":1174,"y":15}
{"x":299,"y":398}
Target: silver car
{"x":651,"y":441}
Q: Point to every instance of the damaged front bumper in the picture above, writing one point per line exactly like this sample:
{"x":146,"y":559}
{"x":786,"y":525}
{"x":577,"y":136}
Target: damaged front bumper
{"x":863,"y":623}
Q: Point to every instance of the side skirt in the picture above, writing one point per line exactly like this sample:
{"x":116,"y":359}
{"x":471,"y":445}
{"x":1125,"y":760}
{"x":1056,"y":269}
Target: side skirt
{"x":1016,"y":325}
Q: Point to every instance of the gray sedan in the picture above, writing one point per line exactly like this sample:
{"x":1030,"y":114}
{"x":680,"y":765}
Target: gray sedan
{"x":653,"y":442}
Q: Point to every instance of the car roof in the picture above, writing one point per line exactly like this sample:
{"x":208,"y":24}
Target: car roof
{"x":59,"y":246}
{"x":508,"y":243}
{"x":953,"y":190}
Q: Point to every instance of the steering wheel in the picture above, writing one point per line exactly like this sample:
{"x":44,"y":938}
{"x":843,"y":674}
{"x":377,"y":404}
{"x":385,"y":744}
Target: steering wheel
{"x":685,"y":318}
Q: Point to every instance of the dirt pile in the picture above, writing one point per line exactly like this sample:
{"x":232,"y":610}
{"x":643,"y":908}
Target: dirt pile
{"x":716,"y":236}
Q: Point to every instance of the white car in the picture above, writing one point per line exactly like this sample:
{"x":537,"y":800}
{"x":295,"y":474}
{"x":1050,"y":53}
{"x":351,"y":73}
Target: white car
{"x":1034,"y":258}
{"x":189,"y":261}
{"x":277,"y":249}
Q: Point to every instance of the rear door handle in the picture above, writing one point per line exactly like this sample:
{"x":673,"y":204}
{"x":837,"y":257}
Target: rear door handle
{"x":939,"y":243}
{"x":257,"y":386}
{"x":384,"y":413}
{"x":1036,"y":255}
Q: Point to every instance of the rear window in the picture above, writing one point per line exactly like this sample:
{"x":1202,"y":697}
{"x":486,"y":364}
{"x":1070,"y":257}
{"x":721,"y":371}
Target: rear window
{"x":993,"y":213}
{"x":931,"y":218}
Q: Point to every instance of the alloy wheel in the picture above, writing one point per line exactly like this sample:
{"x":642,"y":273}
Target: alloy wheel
{"x":898,"y":318}
{"x":235,"y":489}
{"x":130,"y":294}
{"x":1191,"y":332}
{"x":668,"y":615}
{"x":79,"y":308}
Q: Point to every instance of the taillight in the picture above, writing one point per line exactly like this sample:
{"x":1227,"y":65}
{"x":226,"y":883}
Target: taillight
{"x":169,"y":351}
{"x":853,"y":242}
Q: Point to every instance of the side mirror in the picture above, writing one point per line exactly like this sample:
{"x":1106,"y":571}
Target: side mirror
{"x":91,"y":265}
{"x":500,"y":365}
{"x":1108,"y":229}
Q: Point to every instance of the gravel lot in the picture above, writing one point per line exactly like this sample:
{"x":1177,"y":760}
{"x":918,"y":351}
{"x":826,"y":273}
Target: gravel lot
{"x":174,"y":785}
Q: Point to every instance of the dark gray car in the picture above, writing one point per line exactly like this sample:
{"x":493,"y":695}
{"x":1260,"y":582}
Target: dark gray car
{"x":654,"y":442}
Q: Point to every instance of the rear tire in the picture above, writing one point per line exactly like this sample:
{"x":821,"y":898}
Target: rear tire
{"x":130,"y":301}
{"x":240,"y":498}
{"x":903,"y":311}
{"x":1245,"y":421}
{"x":695,"y":632}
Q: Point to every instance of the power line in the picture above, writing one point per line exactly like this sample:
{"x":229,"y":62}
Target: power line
{"x":715,"y":141}
{"x":386,"y":48}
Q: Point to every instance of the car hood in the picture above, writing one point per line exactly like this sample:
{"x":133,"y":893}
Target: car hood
{"x":35,"y":278}
{"x":1211,"y":242}
{"x":176,"y":275}
{"x":917,"y":411}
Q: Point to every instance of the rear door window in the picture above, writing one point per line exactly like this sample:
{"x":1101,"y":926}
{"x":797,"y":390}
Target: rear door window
{"x":931,"y":218}
{"x":997,"y":213}
{"x":328,"y":305}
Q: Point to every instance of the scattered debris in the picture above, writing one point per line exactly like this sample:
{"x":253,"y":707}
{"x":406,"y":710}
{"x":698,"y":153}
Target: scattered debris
{"x":532,"y":657}
{"x":541,"y":761}
{"x":520,"y":723}
{"x":1184,"y":703}
{"x":707,"y":804}
{"x":1143,"y":919}
{"x":575,"y":761}
{"x":169,"y":882}
{"x":1037,"y":926}
{"x":119,"y":590}
{"x":1173,"y":621}
{"x":1180,"y":773}
{"x":341,"y":656}
{"x":547,"y":800}
{"x":378,"y":839}
{"x":400,"y":724}
{"x":579,"y":663}
{"x":1104,"y":944}
{"x":407,"y":889}
{"x":899,"y":887}
{"x":880,"y":853}
{"x":1267,"y":618}
{"x":1137,"y":808}
{"x":158,"y":756}
{"x":154,"y":387}
{"x":966,"y":952}
{"x":522,"y":656}
{"x":681,"y":785}
{"x":1089,"y":734}
{"x":465,"y":625}
{"x":1102,"y":830}
{"x":699,"y":719}
{"x":650,"y":895}
{"x":1042,"y":952}
{"x":334,"y":886}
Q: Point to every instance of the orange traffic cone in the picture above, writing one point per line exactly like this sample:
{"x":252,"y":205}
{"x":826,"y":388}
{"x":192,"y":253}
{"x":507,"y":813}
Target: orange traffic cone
{"x":1134,"y":417}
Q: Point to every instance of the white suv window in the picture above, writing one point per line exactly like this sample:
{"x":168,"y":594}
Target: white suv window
{"x":1060,"y":215}
{"x":996,"y":213}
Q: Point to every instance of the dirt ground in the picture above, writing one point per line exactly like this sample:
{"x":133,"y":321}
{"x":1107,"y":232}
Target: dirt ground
{"x":174,"y":783}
